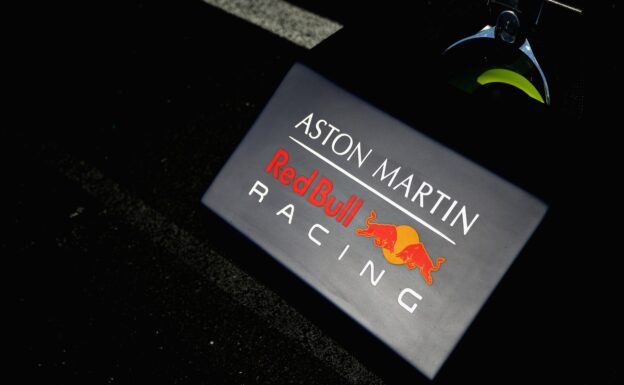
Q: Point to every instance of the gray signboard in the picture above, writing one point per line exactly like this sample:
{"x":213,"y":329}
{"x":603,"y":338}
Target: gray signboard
{"x":406,"y":236}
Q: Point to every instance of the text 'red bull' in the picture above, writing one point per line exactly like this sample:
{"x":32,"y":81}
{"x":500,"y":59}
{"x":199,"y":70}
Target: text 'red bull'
{"x":320,"y":195}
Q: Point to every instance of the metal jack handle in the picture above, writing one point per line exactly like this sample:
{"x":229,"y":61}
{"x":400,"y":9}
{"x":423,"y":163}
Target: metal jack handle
{"x":568,"y":7}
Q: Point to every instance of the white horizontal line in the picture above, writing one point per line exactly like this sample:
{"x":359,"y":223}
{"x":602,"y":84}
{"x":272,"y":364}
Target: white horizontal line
{"x":369,"y":188}
{"x":281,"y":18}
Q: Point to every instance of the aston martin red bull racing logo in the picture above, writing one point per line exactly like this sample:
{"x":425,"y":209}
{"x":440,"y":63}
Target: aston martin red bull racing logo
{"x":401,"y":245}
{"x":303,"y":184}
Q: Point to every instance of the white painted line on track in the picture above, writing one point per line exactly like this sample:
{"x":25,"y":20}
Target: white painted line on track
{"x":295,"y":24}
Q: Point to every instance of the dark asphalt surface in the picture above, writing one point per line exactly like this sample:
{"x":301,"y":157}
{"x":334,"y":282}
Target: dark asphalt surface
{"x":119,"y":275}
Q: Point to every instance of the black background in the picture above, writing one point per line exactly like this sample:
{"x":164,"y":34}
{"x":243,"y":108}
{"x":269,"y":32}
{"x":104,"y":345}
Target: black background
{"x":157,"y":95}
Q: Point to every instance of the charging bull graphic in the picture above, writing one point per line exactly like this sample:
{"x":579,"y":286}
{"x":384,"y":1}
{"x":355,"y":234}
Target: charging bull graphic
{"x":404,"y":239}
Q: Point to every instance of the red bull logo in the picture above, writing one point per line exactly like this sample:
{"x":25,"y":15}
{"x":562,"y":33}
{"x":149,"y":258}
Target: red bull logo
{"x":401,"y":246}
